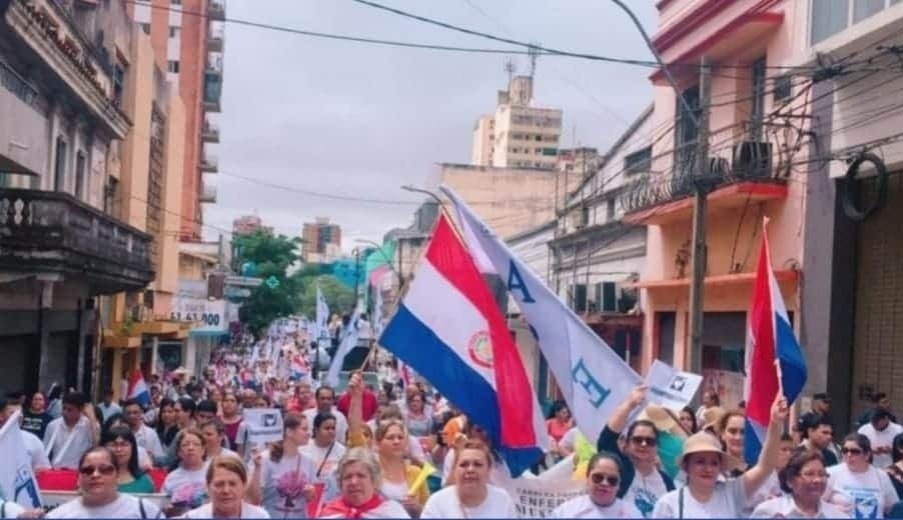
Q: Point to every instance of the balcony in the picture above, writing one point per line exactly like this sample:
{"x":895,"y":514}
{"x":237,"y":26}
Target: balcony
{"x":44,"y":231}
{"x":208,"y":194}
{"x":216,"y":37}
{"x":210,"y":164}
{"x":210,"y":132}
{"x":749,"y":176}
{"x":216,"y":10}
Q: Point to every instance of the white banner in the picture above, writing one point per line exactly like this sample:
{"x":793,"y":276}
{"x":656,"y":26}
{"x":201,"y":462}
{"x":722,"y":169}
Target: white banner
{"x":208,"y":316}
{"x":536,"y":496}
{"x":671,"y":388}
{"x":17,"y":482}
{"x":263,"y":424}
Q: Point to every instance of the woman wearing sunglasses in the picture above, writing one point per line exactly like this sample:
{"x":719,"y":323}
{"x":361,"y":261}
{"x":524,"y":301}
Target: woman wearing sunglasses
{"x":97,"y":476}
{"x":603,"y":476}
{"x":707,"y":494}
{"x":642,"y":482}
{"x":856,"y":482}
{"x":471,"y":495}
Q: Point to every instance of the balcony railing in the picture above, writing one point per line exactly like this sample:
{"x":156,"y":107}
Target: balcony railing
{"x":208,"y":194}
{"x":751,"y":161}
{"x":216,"y":10}
{"x":210,"y":164}
{"x":210,"y":132}
{"x":55,"y":232}
{"x":216,"y":37}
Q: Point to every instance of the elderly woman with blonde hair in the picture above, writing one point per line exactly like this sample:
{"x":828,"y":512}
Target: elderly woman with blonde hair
{"x":360,"y":478}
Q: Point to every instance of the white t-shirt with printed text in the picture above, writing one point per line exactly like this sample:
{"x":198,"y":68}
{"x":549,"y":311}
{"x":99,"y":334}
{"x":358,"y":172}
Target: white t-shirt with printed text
{"x":882,"y":439}
{"x":247,"y":511}
{"x":187,"y":488}
{"x":871,"y":492}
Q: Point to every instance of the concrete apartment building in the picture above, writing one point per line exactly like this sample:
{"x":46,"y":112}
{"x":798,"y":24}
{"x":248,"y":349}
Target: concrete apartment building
{"x":322,"y":241}
{"x":518,"y":134}
{"x":247,"y":224}
{"x":188,"y":40}
{"x":89,"y":189}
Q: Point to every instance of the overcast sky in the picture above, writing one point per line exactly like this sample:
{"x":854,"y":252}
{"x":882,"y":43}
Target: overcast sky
{"x":361,"y":120}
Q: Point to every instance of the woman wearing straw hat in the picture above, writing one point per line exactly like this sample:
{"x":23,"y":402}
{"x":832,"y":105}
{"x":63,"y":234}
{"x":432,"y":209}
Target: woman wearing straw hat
{"x":703,"y":459}
{"x":642,"y":482}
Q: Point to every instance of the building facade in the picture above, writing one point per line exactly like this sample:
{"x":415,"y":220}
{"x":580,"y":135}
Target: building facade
{"x":72,"y":232}
{"x":247,"y":224}
{"x":518,"y":134}
{"x":757,"y":117}
{"x":322,"y":241}
{"x":596,"y":255}
{"x":188,"y":39}
{"x":852,"y":244}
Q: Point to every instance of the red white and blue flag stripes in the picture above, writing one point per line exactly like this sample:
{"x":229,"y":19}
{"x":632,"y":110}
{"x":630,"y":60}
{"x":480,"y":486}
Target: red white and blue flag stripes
{"x":774,"y":361}
{"x":449,"y":329}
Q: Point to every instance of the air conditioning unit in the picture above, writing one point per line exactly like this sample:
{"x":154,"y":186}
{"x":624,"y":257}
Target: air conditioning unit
{"x":752,"y":160}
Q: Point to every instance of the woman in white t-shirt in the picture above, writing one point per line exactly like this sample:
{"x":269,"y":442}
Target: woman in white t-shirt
{"x":499,"y":474}
{"x":323,"y":449}
{"x":100,"y":497}
{"x":603,"y":476}
{"x":471,"y":496}
{"x":706,"y":494}
{"x":226,"y":481}
{"x":282,"y":479}
{"x":186,"y":486}
{"x":856,"y":483}
{"x":805,"y":482}
{"x":214,"y":433}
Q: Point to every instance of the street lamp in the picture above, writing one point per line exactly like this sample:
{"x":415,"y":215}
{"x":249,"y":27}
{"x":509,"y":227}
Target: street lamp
{"x":408,"y":187}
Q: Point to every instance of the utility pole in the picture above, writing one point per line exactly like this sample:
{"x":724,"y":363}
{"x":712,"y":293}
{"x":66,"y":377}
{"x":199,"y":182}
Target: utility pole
{"x":701,"y":184}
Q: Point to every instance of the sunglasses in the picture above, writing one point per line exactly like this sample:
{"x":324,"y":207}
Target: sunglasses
{"x":644,"y":441}
{"x":104,"y":469}
{"x":611,"y":480}
{"x":851,"y":451}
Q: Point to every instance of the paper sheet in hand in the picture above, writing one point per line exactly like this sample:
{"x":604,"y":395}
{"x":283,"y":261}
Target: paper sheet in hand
{"x":264,"y":425}
{"x":670,"y":388}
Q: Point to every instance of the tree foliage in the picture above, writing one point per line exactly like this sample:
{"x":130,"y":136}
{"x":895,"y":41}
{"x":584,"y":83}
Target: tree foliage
{"x":338,"y":296}
{"x":272,"y":256}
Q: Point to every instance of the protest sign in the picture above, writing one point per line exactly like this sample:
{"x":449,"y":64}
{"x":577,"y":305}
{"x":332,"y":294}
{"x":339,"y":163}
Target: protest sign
{"x":536,"y":496}
{"x":264,"y":425}
{"x":670,"y":388}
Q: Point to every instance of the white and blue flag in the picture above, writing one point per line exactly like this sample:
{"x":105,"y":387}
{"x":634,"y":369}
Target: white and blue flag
{"x":593,"y":379}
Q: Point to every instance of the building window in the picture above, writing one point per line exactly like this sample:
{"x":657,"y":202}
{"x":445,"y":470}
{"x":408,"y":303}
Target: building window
{"x":145,"y":27}
{"x":175,"y":2}
{"x":174,"y":32}
{"x":687,"y":129}
{"x":59,"y":171}
{"x":610,"y":210}
{"x":829,"y":17}
{"x":578,"y":297}
{"x":80,"y":182}
{"x":638,"y":161}
{"x":173,"y":66}
{"x":758,"y":99}
{"x":118,"y":84}
{"x":783,"y":87}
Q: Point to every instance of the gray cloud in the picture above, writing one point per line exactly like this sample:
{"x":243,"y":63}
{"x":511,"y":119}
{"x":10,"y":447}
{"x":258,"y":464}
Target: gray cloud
{"x":361,"y":120}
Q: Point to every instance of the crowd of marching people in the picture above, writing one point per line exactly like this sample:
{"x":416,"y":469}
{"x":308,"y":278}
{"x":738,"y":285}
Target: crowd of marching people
{"x":397,"y":449}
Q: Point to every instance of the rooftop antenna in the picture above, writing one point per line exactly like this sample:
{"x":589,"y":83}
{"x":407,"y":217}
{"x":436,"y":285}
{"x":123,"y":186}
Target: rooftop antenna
{"x":510,"y":68}
{"x":533,"y":52}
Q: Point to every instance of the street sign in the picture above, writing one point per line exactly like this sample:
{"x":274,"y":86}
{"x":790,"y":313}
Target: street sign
{"x":208,"y":317}
{"x":243,"y":281}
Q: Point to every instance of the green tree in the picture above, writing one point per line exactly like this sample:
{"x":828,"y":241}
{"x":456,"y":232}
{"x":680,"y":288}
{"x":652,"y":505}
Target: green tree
{"x":272,"y":255}
{"x":338,"y":296}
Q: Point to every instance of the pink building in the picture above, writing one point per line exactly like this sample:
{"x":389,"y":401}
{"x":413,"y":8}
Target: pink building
{"x":750,"y":173}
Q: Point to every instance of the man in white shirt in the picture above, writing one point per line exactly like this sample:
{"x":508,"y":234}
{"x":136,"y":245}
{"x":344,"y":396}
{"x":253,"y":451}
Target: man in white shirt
{"x":326,"y":404}
{"x":881,"y":432}
{"x":69,"y":436}
{"x":108,"y":407}
{"x":145,"y":436}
